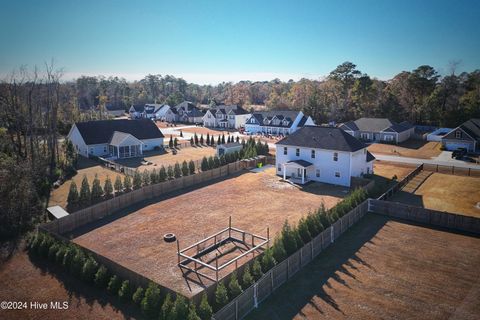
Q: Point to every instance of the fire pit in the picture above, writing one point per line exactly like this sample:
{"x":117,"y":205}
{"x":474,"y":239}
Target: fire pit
{"x":169,"y":237}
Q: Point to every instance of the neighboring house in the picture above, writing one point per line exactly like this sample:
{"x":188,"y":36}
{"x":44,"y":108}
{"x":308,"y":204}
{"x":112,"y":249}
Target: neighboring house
{"x":166,"y":113}
{"x":277,"y":122}
{"x":379,"y":129}
{"x":226,"y":148}
{"x":195,"y":115}
{"x":137,"y":111}
{"x":188,"y":112}
{"x":115,"y":138}
{"x":466,"y":135}
{"x":223,"y":116}
{"x":116,"y":110}
{"x":323,"y":154}
{"x":151,"y":110}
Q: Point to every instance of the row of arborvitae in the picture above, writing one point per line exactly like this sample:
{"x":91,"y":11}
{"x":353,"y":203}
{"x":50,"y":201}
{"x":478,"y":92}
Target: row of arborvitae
{"x":286,"y":243}
{"x":150,"y":300}
{"x":210,"y":140}
{"x":214,"y":162}
{"x":87,"y":196}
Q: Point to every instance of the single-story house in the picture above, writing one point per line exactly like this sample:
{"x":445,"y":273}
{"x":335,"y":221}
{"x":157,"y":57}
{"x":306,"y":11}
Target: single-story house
{"x":223,"y":116}
{"x":277,"y":122}
{"x":166,"y":113}
{"x":438,"y":134}
{"x":323,"y":154}
{"x":223,"y":149}
{"x":378,"y":129}
{"x":466,"y":135}
{"x":116,"y":110}
{"x":115,"y":138}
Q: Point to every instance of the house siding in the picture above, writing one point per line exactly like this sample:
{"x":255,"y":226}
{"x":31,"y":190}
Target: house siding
{"x":323,"y":161}
{"x":150,"y":144}
{"x":77,"y":140}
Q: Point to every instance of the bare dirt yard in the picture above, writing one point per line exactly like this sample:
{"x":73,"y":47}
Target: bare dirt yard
{"x":384,"y":269}
{"x":86,"y":167}
{"x":24,"y":279}
{"x":255,"y":201}
{"x":445,"y":192}
{"x":165,"y":159}
{"x":389,"y":169}
{"x":410,"y":148}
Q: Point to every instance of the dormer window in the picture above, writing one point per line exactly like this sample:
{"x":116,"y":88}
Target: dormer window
{"x":458,"y":134}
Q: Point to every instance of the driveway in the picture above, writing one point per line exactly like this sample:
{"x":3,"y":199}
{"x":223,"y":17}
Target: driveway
{"x":444,"y":160}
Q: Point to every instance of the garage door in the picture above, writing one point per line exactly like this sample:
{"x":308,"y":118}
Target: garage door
{"x":455,"y":145}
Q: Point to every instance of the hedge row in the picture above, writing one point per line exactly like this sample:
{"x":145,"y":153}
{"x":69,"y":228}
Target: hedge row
{"x":290,"y":239}
{"x":84,"y":266}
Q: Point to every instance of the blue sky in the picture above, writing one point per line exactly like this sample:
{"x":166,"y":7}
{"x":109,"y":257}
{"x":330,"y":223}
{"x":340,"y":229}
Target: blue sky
{"x":214,"y":41}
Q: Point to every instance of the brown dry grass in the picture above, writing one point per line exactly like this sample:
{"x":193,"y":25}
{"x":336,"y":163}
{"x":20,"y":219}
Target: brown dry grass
{"x":204,"y":131}
{"x":389,"y":169}
{"x":23,"y":280}
{"x":87,"y":167}
{"x":254,"y":200}
{"x":184,"y":154}
{"x":410,"y":148}
{"x":445,"y":192}
{"x":385,"y":269}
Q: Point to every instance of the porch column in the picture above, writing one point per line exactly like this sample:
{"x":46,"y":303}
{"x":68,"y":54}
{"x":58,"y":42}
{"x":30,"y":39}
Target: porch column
{"x":118,"y":152}
{"x":303,"y":175}
{"x":284,"y":172}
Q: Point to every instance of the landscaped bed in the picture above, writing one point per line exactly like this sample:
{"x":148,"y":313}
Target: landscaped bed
{"x":255,"y":201}
{"x":381,"y":269}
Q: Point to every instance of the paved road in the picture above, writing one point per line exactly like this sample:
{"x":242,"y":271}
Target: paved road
{"x":457,"y":163}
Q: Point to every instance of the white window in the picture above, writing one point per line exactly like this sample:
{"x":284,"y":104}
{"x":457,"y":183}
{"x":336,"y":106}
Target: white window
{"x":388,"y":138}
{"x":313,"y":154}
{"x":91,"y":150}
{"x":364,"y":136}
{"x":458,"y":134}
{"x":297,"y":152}
{"x":337,"y":174}
{"x":279,"y":167}
{"x":105,"y":149}
{"x":335,"y":156}
{"x":285,"y":150}
{"x":317,"y":173}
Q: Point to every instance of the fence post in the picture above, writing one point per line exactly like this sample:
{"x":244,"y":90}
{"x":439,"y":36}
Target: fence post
{"x":271,"y":278}
{"x":332,"y":235}
{"x":288,"y":267}
{"x":255,"y":295}
{"x":236,"y":309}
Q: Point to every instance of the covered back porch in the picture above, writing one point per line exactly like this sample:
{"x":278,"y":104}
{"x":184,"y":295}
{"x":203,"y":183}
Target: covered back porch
{"x":297,"y":171}
{"x":124,"y":145}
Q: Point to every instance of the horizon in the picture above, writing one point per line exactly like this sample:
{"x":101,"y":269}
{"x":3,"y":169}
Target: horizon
{"x":214,"y":42}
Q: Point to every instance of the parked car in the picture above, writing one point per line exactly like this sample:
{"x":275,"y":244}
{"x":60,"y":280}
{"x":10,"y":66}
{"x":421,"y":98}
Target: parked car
{"x":459,"y":153}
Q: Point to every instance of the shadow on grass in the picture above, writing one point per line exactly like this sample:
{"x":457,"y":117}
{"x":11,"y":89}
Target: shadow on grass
{"x":334,"y":264}
{"x":79,"y":289}
{"x":139,"y":205}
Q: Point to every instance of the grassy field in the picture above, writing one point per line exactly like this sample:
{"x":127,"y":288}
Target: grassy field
{"x":85,"y":167}
{"x":26,"y":279}
{"x":410,"y":148}
{"x":445,"y":192}
{"x":384,"y":269}
{"x":255,"y":201}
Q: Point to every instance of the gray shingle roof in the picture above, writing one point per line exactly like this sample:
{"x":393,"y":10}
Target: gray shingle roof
{"x":288,"y":115}
{"x":302,"y":163}
{"x":370,"y":156}
{"x":471,"y":127}
{"x":375,"y":125}
{"x":100,"y":132}
{"x":323,"y":138}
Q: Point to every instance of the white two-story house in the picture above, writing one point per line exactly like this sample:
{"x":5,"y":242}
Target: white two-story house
{"x":323,"y":154}
{"x":233,"y":117}
{"x":277,"y":122}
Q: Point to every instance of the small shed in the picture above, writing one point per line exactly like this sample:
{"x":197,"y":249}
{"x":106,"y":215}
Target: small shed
{"x":231,"y":147}
{"x":56,"y":212}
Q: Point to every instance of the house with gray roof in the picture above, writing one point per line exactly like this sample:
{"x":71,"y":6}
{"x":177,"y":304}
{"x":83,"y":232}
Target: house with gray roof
{"x":115,"y":138}
{"x":466,"y":135}
{"x":323,"y":154}
{"x":223,"y":116}
{"x":187,"y":112}
{"x":280,"y":122}
{"x":379,"y":130}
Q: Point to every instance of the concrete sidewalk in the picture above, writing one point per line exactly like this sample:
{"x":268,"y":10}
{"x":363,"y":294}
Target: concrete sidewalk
{"x":459,"y":164}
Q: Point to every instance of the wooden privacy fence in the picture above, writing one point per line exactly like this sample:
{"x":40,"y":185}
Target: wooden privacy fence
{"x":108,"y":207}
{"x":390,"y":192}
{"x":426,"y":216}
{"x":459,"y":171}
{"x":239,"y":307}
